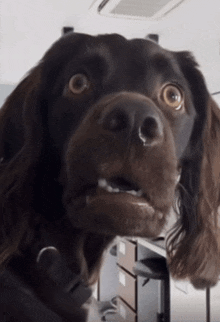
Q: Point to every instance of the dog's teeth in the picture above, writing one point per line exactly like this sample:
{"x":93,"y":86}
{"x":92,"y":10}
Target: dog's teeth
{"x":102,"y":183}
{"x":132,"y":192}
{"x":109,"y":189}
{"x":135,"y":193}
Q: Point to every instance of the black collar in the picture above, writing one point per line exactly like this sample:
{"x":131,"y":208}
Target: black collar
{"x":63,"y":291}
{"x":53,"y":266}
{"x":44,"y":274}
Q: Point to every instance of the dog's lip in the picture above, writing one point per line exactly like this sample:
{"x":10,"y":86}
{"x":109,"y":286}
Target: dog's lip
{"x":130,"y":213}
{"x":106,"y":189}
{"x":120,"y":198}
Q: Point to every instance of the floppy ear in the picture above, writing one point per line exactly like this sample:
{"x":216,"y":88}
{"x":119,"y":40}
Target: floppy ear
{"x":20,"y":147}
{"x":29,"y":163}
{"x":207,"y":243}
{"x":193,"y":249}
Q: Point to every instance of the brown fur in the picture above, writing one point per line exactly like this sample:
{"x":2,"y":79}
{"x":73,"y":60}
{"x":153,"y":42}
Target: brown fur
{"x":55,"y":145}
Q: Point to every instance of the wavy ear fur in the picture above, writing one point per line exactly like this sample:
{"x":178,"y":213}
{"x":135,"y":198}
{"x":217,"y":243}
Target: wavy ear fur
{"x":193,"y":244}
{"x":20,"y":148}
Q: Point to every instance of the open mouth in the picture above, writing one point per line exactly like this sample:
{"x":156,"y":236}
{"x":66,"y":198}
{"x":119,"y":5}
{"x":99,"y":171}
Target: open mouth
{"x":119,"y":185}
{"x":117,"y":190}
{"x":118,"y":206}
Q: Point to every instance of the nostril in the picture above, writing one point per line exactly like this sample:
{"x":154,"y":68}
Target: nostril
{"x":116,"y":121}
{"x":150,"y":130}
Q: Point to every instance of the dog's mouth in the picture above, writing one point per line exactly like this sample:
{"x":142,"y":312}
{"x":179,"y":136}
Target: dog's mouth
{"x":120,"y":185}
{"x":116,"y":187}
{"x":117,"y":206}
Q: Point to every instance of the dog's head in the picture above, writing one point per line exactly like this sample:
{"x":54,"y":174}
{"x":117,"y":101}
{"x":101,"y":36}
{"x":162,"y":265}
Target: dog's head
{"x":108,"y":133}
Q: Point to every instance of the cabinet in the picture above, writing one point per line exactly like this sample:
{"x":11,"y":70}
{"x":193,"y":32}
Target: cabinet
{"x":138,"y":303}
{"x":125,"y":313}
{"x":108,"y":280}
{"x":127,"y":290}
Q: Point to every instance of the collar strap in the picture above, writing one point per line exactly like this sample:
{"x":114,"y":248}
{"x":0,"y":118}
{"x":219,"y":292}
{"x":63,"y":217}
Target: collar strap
{"x":54,"y":267}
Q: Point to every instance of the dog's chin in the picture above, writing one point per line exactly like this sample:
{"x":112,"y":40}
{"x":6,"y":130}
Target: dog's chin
{"x":117,"y":213}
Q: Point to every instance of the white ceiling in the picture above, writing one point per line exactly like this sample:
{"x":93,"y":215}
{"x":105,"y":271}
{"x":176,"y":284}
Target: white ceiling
{"x":29,"y":27}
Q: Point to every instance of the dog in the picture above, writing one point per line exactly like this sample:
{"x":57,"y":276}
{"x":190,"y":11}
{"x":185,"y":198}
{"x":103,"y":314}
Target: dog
{"x":102,"y":139}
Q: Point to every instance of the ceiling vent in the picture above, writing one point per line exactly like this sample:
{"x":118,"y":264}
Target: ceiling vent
{"x":136,"y":9}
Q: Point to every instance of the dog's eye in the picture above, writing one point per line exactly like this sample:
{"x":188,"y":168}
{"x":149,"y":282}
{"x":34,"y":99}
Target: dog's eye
{"x":79,"y":83}
{"x":172,"y":96}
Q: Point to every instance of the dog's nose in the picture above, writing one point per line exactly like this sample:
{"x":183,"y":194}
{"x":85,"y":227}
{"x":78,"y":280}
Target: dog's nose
{"x":151,"y":130}
{"x":135,"y":119}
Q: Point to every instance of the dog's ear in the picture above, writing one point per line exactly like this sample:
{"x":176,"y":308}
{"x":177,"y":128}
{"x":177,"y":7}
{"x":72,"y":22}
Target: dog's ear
{"x":27,"y":161}
{"x":21,"y":131}
{"x":207,"y":243}
{"x":18,"y":116}
{"x":193,"y":250}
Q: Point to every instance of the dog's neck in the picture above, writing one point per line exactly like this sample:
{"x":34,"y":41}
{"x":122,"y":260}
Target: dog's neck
{"x":60,"y":267}
{"x":82,"y":250}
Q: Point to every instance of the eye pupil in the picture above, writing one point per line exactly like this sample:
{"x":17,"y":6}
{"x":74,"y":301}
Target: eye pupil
{"x":172,"y":96}
{"x":78,"y":84}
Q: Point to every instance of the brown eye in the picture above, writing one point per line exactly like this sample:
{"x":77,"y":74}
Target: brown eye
{"x":172,"y":96}
{"x":78,"y":84}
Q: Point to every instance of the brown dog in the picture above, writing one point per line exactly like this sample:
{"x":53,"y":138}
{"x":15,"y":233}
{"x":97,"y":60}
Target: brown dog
{"x":93,"y":142}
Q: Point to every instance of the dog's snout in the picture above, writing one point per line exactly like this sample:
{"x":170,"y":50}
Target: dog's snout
{"x":136,"y":119}
{"x":117,"y":120}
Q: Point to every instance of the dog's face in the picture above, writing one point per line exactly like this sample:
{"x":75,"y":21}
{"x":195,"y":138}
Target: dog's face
{"x":101,"y":134}
{"x":121,"y":118}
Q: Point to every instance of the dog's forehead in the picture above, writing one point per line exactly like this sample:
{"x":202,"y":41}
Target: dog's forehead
{"x":110,"y":48}
{"x":117,"y":45}
{"x":133,"y":59}
{"x":139,"y":54}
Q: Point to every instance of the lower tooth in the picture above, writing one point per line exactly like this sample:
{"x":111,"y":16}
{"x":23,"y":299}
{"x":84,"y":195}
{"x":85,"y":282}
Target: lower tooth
{"x":109,"y":189}
{"x":135,"y":193}
{"x":132,"y":192}
{"x":102,"y":183}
